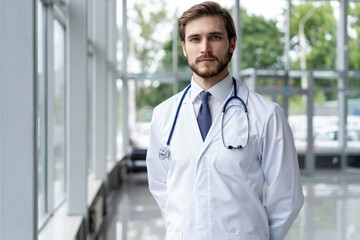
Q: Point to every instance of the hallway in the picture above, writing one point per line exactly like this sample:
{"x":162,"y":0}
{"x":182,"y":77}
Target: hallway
{"x":332,"y":203}
{"x":133,"y":212}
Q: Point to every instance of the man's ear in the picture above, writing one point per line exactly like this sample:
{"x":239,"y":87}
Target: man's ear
{"x":232,"y":44}
{"x":184,"y":50}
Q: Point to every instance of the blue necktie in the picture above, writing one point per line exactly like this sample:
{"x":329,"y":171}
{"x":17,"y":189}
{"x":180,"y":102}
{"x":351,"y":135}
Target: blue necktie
{"x":204,"y":117}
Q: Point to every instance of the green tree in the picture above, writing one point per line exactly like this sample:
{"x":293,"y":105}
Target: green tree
{"x":167,"y":59}
{"x":262,"y":42}
{"x":151,"y":96}
{"x":320,"y":35}
{"x":148,"y":45}
{"x":147,"y":48}
{"x":354,"y":41}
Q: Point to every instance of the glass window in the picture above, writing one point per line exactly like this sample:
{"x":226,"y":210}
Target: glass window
{"x":270,"y":81}
{"x":59,"y":112}
{"x":326,"y":120}
{"x":41,"y":114}
{"x":298,"y":120}
{"x":262,"y":34}
{"x":145,"y":45}
{"x":119,"y":43}
{"x":353,"y":121}
{"x":313,"y":29}
{"x":148,"y":94}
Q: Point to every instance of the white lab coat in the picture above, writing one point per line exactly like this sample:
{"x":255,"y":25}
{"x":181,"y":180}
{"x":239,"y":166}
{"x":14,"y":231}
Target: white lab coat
{"x":208,"y":192}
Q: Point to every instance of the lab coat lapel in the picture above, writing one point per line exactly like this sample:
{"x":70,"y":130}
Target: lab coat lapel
{"x":191,"y":119}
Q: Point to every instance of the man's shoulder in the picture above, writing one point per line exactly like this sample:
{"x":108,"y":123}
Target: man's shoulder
{"x":261,"y":100}
{"x":260,"y":106}
{"x":168,"y":105}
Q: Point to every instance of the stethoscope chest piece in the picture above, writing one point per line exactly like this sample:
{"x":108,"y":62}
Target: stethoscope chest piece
{"x":164,"y":152}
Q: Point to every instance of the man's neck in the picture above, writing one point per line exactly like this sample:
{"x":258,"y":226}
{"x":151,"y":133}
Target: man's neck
{"x":207,"y":83}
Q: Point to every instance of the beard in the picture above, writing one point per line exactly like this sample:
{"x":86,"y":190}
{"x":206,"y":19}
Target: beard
{"x":208,"y":73}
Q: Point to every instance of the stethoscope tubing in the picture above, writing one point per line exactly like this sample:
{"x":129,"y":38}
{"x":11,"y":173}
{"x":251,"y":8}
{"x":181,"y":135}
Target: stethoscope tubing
{"x":177,"y":114}
{"x":223,"y":114}
{"x":222,"y":131}
{"x":165,"y":152}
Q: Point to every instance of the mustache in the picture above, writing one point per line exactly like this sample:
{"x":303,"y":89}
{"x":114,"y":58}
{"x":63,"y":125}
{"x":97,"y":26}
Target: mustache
{"x":198,"y":59}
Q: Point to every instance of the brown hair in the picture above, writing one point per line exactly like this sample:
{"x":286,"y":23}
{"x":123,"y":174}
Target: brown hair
{"x":207,"y":8}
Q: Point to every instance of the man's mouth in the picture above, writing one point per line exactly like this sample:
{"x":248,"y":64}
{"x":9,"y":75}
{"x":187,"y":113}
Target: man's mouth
{"x":206,"y":60}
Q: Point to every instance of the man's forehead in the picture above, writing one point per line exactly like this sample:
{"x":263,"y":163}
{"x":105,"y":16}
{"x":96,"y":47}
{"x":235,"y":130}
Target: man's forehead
{"x":205,"y":25}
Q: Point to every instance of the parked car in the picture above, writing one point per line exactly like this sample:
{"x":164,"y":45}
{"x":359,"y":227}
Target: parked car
{"x":325,"y":132}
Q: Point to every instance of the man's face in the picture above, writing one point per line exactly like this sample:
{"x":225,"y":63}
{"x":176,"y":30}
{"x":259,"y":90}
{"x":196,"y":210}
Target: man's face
{"x":207,"y":47}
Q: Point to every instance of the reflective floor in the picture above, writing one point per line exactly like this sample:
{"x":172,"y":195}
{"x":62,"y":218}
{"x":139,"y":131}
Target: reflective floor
{"x":331,"y":210}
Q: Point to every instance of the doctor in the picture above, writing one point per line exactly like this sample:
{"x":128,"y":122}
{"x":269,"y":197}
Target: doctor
{"x":207,"y":172}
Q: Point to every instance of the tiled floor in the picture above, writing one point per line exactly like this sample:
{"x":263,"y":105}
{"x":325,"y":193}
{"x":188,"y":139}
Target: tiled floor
{"x":331,"y":210}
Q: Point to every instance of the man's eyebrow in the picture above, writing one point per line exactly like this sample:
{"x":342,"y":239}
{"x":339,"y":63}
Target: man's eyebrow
{"x":193,"y":35}
{"x":210,"y":33}
{"x":216,"y":33}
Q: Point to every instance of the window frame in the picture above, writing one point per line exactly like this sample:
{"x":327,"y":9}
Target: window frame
{"x":53,"y":11}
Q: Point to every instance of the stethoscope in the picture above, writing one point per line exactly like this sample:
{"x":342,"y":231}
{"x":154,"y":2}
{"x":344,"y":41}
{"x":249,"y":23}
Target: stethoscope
{"x":165,"y":151}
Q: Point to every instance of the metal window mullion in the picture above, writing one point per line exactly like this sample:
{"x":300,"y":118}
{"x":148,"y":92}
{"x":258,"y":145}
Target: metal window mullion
{"x":287,"y":37}
{"x":342,"y":67}
{"x":76,"y":143}
{"x":109,"y":93}
{"x":42,"y":155}
{"x":106,"y":80}
{"x":175,"y":55}
{"x":100,"y":90}
{"x":112,"y":79}
{"x":254,"y":80}
{"x":108,"y":119}
{"x":93,"y":111}
{"x":89,"y":20}
{"x":236,"y":64}
{"x":125,"y":79}
{"x":50,"y":109}
{"x":285,"y":102}
{"x":114,"y":72}
{"x":91,"y":86}
{"x":65,"y":111}
{"x":309,"y":157}
{"x":46,"y":108}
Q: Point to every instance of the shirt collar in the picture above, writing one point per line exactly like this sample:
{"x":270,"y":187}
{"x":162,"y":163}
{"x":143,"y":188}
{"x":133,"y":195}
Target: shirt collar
{"x":219,"y":91}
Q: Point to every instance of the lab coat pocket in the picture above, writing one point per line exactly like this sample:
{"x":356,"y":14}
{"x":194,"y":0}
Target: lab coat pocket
{"x":174,"y":236}
{"x":235,"y":162}
{"x":240,"y":236}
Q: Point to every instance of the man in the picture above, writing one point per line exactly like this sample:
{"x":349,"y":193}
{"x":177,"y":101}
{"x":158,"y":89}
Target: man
{"x":207,"y":189}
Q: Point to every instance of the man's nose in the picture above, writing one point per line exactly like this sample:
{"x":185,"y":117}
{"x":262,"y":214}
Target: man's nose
{"x":205,"y":46}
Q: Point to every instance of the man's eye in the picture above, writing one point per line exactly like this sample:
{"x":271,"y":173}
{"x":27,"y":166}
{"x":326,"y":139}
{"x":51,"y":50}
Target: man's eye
{"x":216,"y":37}
{"x":195,"y":39}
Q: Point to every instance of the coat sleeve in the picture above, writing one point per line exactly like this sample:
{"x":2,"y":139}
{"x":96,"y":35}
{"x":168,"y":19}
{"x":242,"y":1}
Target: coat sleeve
{"x":284,"y":196}
{"x":156,"y":168}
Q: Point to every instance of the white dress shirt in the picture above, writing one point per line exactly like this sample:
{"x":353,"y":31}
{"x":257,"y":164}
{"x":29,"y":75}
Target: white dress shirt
{"x":219,"y":92}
